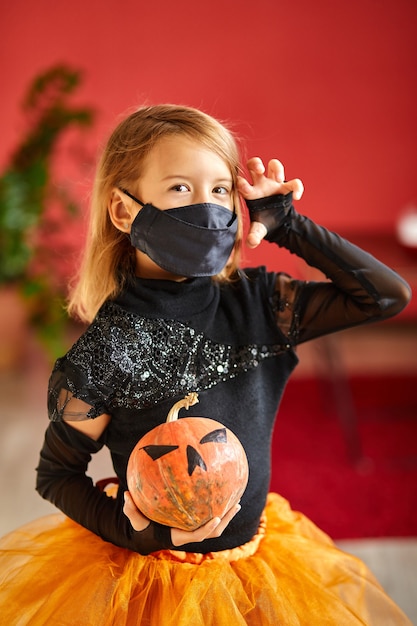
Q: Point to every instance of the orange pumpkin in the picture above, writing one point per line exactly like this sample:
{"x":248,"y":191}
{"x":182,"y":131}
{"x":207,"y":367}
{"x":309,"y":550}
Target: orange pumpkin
{"x":185,"y":472}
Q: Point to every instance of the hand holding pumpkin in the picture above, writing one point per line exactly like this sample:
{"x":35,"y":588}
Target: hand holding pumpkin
{"x":137,"y":519}
{"x":179,"y":537}
{"x":210,"y":530}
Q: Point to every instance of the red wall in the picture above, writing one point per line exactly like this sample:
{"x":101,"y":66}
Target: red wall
{"x":328,"y":87}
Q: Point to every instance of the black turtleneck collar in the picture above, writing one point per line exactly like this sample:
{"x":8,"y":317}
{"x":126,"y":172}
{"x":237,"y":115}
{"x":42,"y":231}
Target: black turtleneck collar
{"x":183,"y":300}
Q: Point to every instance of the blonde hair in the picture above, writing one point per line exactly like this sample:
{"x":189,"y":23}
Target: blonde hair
{"x":109,"y":257}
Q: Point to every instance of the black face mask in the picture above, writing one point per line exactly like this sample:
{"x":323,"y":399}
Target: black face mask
{"x":194,"y":240}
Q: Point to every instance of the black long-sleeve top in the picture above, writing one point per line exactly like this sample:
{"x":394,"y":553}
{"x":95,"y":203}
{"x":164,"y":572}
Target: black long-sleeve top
{"x":234,"y":343}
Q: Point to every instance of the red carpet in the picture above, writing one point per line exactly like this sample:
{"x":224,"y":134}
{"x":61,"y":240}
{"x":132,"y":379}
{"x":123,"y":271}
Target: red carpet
{"x":312,"y":469}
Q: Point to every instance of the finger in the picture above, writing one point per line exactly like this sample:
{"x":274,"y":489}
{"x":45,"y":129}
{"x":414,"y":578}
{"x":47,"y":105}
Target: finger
{"x":256,"y":233}
{"x":276,"y":170}
{"x":250,"y":192}
{"x":296,"y":186}
{"x":244,"y":187}
{"x":137,"y":519}
{"x":256,"y":169}
{"x":226,"y":520}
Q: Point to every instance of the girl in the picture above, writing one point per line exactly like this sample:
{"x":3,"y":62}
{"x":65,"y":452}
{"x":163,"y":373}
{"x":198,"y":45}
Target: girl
{"x":170,"y":312}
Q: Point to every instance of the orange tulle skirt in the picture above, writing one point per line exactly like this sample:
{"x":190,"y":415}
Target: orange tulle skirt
{"x":55,"y":572}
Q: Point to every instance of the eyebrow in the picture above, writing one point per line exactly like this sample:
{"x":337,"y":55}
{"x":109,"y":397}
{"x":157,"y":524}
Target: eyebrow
{"x":221,"y":179}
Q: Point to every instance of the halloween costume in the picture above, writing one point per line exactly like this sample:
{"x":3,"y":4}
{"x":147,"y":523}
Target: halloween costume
{"x":234,"y":344}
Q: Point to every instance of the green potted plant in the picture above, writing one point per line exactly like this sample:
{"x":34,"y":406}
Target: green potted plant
{"x":27,"y":192}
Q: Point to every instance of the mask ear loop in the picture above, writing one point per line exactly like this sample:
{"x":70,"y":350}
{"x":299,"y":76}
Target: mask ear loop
{"x":131,"y":196}
{"x":232,"y":219}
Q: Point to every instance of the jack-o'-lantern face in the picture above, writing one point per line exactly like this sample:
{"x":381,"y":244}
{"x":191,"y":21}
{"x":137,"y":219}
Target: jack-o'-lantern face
{"x":186,"y":472}
{"x":194,"y":458}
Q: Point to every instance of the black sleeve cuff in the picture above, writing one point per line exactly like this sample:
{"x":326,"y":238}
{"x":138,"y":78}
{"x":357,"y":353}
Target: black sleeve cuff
{"x":271,"y":211}
{"x":162,"y":535}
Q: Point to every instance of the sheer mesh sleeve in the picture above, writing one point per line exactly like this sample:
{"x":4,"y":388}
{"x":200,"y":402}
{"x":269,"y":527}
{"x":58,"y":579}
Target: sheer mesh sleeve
{"x":361,"y":289}
{"x":285,"y":299}
{"x":72,"y":409}
{"x":73,"y":395}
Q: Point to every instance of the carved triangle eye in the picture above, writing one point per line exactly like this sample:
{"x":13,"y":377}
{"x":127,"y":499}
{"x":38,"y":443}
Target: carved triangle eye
{"x":156,"y":452}
{"x":194,"y":460}
{"x":219,"y":436}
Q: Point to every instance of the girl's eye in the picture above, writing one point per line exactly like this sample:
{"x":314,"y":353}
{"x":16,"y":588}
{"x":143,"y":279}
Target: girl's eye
{"x":221,"y":190}
{"x":180,"y":187}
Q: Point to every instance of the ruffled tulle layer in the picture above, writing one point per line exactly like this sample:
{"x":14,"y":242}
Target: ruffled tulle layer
{"x":54,"y":572}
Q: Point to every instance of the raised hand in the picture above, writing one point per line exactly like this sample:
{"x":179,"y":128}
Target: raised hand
{"x":266,"y":182}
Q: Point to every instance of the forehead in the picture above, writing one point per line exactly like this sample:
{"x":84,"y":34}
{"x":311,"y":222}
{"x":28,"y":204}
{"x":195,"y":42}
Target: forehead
{"x":182,"y":154}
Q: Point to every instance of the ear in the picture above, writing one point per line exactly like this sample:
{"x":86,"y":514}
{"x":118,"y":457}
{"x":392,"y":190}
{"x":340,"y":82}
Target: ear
{"x":121,"y":212}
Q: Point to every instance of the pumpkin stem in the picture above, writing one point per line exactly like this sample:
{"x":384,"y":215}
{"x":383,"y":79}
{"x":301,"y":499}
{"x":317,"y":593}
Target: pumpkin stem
{"x":185,"y":403}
